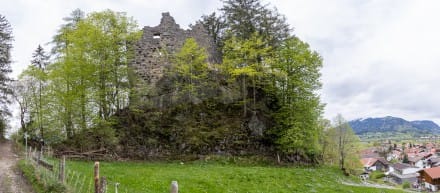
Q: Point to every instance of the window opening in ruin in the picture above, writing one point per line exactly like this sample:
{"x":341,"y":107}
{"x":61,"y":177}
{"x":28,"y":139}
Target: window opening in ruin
{"x":156,"y":36}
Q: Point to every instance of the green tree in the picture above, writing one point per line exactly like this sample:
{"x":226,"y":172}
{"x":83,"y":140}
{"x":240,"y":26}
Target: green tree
{"x":21,"y":96}
{"x":112,"y":50}
{"x":190,"y":69}
{"x":296,"y":80}
{"x":5,"y":68}
{"x":60,"y":40}
{"x":329,"y":154}
{"x":93,"y":66}
{"x":246,"y":61}
{"x":88,"y":79}
{"x":347,"y":144}
{"x":405,"y":159}
{"x":194,"y":87}
{"x":244,"y":18}
{"x":39,"y":62}
{"x":61,"y":73}
{"x":215,"y":26}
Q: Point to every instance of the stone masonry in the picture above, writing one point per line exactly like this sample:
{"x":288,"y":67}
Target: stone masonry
{"x":150,"y":61}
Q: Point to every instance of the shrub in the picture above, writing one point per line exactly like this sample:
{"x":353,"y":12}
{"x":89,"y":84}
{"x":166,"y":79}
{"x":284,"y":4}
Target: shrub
{"x":37,"y":182}
{"x":101,"y":136}
{"x":377,"y":175}
{"x":406,"y":185}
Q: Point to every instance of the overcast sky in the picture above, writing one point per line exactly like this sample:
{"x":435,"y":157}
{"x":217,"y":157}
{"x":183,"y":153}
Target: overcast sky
{"x":381,"y":57}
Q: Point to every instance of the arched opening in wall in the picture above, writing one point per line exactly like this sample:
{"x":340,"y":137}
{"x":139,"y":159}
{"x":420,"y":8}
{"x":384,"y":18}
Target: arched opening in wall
{"x":156,"y":36}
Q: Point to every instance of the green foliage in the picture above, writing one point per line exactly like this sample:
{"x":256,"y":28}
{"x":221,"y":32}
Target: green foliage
{"x":242,"y":18}
{"x":101,"y":136}
{"x":5,"y":68}
{"x":377,"y":175}
{"x":88,"y":80}
{"x":246,"y":61}
{"x":405,"y":158}
{"x":38,"y":183}
{"x":189,"y":72}
{"x":215,"y":25}
{"x":341,"y":145}
{"x":296,"y":73}
{"x":34,"y":98}
{"x":5,"y":61}
{"x":406,"y":185}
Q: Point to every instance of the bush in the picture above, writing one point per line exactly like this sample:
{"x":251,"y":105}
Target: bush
{"x":377,"y":175}
{"x":406,"y":185}
{"x":37,"y":182}
{"x":101,"y":136}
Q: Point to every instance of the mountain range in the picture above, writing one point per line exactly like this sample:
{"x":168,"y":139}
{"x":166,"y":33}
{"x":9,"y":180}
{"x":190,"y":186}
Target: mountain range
{"x":393,"y":124}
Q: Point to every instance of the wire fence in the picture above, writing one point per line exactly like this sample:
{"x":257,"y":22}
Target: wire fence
{"x":52,"y":171}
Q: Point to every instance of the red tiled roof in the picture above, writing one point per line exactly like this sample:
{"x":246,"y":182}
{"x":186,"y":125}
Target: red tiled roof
{"x":401,"y":166}
{"x":383,"y":160}
{"x":367,"y":162}
{"x":369,"y":153}
{"x":415,"y":158}
{"x":433,"y":172}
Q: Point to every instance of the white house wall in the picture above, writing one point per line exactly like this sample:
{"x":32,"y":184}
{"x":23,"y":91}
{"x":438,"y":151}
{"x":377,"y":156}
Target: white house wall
{"x":410,"y":170}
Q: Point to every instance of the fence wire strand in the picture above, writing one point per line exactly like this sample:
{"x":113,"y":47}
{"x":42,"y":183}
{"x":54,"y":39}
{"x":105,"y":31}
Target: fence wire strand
{"x":75,"y":181}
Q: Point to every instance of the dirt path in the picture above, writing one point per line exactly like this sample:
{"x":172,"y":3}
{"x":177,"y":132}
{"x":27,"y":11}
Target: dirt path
{"x":11,"y":181}
{"x":373,"y":186}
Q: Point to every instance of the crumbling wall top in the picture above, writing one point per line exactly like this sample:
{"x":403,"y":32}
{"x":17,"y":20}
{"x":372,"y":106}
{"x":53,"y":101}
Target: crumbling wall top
{"x":149,"y":63}
{"x":168,"y":21}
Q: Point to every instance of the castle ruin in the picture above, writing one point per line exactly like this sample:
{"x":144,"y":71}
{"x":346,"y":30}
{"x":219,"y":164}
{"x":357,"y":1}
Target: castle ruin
{"x":149,"y":63}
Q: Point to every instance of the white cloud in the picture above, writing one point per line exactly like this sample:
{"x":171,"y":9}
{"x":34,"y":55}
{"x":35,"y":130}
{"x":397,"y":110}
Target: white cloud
{"x":380,"y":56}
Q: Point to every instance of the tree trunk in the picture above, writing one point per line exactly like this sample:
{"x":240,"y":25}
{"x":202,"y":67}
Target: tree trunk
{"x":244,"y":96}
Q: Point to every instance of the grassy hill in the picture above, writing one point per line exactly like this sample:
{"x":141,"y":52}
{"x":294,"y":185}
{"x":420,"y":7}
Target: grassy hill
{"x":198,"y":177}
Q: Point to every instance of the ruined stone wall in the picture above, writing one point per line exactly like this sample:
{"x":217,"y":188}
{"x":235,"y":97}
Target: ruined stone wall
{"x":150,"y":62}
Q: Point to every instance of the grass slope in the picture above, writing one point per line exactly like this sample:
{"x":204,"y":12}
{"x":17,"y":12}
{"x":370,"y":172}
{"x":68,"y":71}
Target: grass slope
{"x":137,"y":177}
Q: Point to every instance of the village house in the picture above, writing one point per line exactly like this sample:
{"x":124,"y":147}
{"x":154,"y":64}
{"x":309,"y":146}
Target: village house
{"x":417,"y":161}
{"x":430,"y":146}
{"x":433,"y":162}
{"x":401,"y":172}
{"x":430,"y":178}
{"x":369,"y":153}
{"x":375,"y":164}
{"x":396,"y":154}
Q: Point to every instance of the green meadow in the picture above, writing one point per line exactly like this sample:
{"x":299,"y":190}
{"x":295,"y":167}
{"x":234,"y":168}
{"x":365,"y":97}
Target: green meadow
{"x":202,"y":177}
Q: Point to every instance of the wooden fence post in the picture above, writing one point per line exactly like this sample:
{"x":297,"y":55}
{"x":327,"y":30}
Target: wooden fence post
{"x":61,"y":176}
{"x":103,"y":185}
{"x":25,"y":138}
{"x":38,"y":159}
{"x":174,"y":187}
{"x":30,"y":153}
{"x":97,"y":190}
